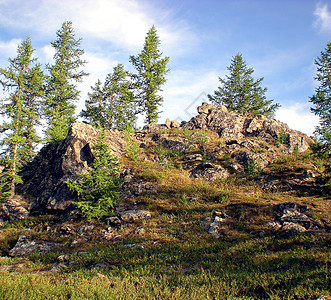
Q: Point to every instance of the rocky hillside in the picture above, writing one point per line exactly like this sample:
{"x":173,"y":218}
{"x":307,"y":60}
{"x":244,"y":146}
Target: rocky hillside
{"x":216,"y":144}
{"x":221,"y":198}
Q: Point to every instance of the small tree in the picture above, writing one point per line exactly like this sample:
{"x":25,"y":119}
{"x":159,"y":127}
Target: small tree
{"x":112,"y":105}
{"x":61,"y":90}
{"x":322,"y":97}
{"x":23,"y":82}
{"x":98,"y":190}
{"x":151,"y":75}
{"x":240,"y":93}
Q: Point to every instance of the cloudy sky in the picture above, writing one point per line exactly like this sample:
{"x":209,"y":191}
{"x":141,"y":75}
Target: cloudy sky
{"x":279,"y":39}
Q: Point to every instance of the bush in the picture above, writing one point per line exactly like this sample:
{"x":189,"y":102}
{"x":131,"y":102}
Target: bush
{"x":98,"y":191}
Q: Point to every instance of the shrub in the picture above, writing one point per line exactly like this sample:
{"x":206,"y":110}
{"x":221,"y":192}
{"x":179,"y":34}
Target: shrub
{"x":98,"y":191}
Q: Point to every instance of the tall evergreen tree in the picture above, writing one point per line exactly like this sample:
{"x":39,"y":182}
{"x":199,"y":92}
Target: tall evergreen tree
{"x":23,"y":84}
{"x":322,"y":97}
{"x":240,"y":93}
{"x":151,"y":75}
{"x":112,"y":105}
{"x":61,"y":89}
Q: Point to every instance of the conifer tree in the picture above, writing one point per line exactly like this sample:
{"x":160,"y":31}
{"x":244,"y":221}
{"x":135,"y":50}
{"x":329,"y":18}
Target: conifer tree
{"x":61,"y":89}
{"x":151,"y":75}
{"x":112,"y":105}
{"x":98,"y":190}
{"x":240,"y":93}
{"x":322,"y":97}
{"x":23,"y":85}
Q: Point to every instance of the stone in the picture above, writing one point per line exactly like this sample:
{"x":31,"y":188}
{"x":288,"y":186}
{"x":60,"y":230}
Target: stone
{"x":13,"y":209}
{"x":24,"y":246}
{"x":273,"y":225}
{"x":153,"y":127}
{"x":168,"y":123}
{"x":290,"y":215}
{"x":175,"y":124}
{"x":293,"y":227}
{"x":205,"y":108}
{"x":193,"y":157}
{"x":134,"y":215}
{"x":45,"y":177}
{"x":210,"y":172}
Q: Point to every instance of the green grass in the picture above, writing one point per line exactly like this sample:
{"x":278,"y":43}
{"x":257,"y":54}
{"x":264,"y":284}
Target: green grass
{"x":175,"y":258}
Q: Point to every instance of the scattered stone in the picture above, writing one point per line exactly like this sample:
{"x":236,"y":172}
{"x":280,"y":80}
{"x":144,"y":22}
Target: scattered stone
{"x":12,"y":268}
{"x":293,"y":227}
{"x":210,"y":172}
{"x":114,"y":221}
{"x":86,"y":228}
{"x":134,"y":215}
{"x":12,"y":210}
{"x":193,"y":157}
{"x":140,"y":231}
{"x":57,"y":268}
{"x":24,"y":246}
{"x":274,"y":225}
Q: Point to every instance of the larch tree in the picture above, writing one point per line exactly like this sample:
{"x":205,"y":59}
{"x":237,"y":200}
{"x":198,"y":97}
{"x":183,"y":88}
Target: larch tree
{"x":112,"y":104}
{"x":239,"y":92}
{"x":322,"y":97}
{"x":61,"y":89}
{"x":22,"y":82}
{"x":152,"y":69}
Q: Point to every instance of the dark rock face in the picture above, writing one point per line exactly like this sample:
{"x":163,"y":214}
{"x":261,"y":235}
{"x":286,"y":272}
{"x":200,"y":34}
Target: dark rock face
{"x":45,"y":177}
{"x":209,"y":172}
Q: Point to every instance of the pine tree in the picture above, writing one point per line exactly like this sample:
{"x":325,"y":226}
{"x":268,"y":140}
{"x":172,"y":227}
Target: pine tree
{"x":23,"y":84}
{"x":322,"y":97}
{"x":240,"y":93}
{"x":151,"y":75}
{"x":112,"y":105}
{"x":61,"y":88}
{"x":98,"y":190}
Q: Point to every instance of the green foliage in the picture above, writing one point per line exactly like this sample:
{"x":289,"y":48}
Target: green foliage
{"x":22,"y":82}
{"x":98,"y":190}
{"x":240,"y":93}
{"x":112,"y":105}
{"x":151,"y":75}
{"x":253,"y":167}
{"x":131,"y":146}
{"x":283,"y":138}
{"x":61,"y":90}
{"x":322,"y":97}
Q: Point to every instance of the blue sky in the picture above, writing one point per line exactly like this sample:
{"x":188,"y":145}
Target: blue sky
{"x":279,"y":39}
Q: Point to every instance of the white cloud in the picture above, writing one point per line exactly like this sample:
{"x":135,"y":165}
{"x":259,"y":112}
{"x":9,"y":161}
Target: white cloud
{"x":123,"y":23}
{"x":323,"y":15}
{"x":298,"y":117}
{"x":8,"y":49}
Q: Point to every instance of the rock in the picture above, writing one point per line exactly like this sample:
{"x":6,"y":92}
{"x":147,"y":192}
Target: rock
{"x":172,"y":143}
{"x":13,"y":209}
{"x":290,"y":215}
{"x":273,"y":225}
{"x":45,"y":177}
{"x":57,"y":268}
{"x":152,"y":128}
{"x":168,"y":123}
{"x":193,"y":157}
{"x":175,"y":124}
{"x":24,"y":246}
{"x":210,"y":172}
{"x":232,"y":126}
{"x":134,"y":215}
{"x":134,"y":187}
{"x":12,"y":268}
{"x":293,"y":227}
{"x":114,"y":221}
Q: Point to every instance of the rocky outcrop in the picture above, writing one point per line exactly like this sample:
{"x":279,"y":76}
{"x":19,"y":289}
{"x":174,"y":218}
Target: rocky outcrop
{"x":13,"y":209}
{"x":45,"y":177}
{"x":234,"y":128}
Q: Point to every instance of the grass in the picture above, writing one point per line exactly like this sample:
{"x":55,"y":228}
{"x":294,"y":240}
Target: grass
{"x":175,"y":257}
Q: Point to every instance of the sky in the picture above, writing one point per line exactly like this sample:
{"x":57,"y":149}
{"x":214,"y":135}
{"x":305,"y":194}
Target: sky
{"x":279,"y":39}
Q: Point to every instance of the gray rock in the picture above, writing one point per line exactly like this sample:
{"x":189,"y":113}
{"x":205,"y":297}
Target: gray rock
{"x":134,"y":215}
{"x":293,"y":227}
{"x":24,"y":246}
{"x":12,"y":210}
{"x":168,"y":123}
{"x":175,"y":124}
{"x":209,"y":172}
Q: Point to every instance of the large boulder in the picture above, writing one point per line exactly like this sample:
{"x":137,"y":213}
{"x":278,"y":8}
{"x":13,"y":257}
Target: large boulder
{"x":45,"y":177}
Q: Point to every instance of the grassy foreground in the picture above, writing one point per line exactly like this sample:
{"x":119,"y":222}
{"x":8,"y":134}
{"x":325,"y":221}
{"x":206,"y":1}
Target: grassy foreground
{"x":174,"y":257}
